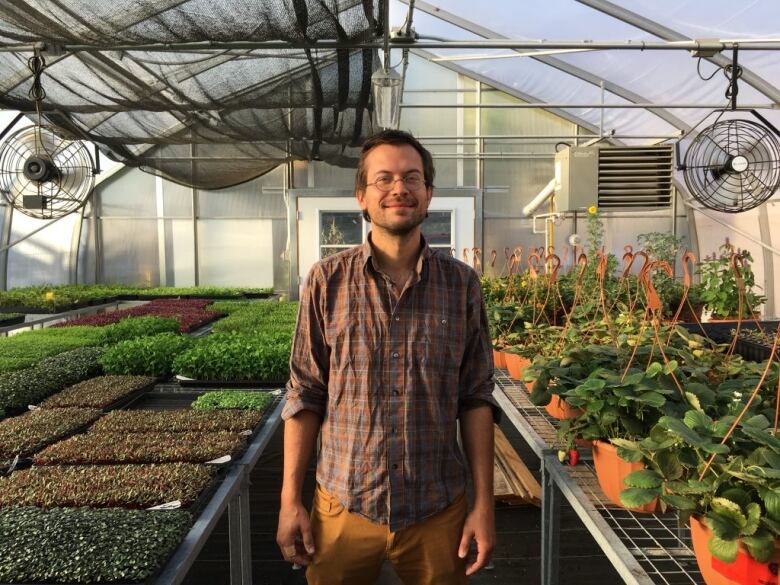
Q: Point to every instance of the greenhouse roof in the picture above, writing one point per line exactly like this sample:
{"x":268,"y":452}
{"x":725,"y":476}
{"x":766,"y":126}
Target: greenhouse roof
{"x":239,"y":86}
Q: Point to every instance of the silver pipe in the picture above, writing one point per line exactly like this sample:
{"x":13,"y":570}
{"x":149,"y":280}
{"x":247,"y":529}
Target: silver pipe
{"x":386,"y":39}
{"x":642,"y":106}
{"x":609,"y":134}
{"x":691,"y":45}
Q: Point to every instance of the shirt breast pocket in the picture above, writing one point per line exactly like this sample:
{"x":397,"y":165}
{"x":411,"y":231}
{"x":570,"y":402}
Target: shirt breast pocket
{"x":441,"y":345}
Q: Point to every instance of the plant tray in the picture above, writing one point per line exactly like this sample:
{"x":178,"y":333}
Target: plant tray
{"x":129,"y":399}
{"x":721,"y":333}
{"x":11,"y":321}
{"x":237,"y":384}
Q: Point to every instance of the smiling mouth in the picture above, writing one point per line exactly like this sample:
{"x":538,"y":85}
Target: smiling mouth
{"x":399,"y":205}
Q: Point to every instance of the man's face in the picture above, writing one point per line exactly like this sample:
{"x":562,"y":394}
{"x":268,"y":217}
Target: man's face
{"x":401,"y":209}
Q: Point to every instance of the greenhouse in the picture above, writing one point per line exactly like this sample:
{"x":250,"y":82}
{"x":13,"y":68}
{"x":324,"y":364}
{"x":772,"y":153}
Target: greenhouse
{"x":389,"y":291}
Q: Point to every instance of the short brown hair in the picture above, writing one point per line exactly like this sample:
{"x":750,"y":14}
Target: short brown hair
{"x":394,"y":138}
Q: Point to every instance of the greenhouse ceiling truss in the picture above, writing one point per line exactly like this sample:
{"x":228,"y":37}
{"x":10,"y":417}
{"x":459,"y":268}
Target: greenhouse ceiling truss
{"x":212,"y":94}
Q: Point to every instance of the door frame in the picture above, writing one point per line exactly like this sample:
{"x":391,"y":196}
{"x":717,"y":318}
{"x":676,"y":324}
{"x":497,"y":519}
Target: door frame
{"x":292,"y":220}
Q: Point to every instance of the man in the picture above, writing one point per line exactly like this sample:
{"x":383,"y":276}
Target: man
{"x":392,"y":349}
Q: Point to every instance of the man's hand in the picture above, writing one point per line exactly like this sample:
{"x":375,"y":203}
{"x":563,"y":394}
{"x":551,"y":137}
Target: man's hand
{"x":480,"y":526}
{"x":294,"y":534}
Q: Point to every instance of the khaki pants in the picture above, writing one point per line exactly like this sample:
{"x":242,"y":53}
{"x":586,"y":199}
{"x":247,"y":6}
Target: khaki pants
{"x":350,"y":550}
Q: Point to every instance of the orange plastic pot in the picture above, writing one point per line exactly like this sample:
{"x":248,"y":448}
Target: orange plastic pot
{"x":516,"y":364}
{"x":499,"y":359}
{"x":560,"y":409}
{"x":745,"y":570}
{"x":611,"y":470}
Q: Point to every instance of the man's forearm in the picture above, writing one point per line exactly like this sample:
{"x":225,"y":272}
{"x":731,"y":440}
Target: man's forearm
{"x":300,"y":435}
{"x":476,"y":427}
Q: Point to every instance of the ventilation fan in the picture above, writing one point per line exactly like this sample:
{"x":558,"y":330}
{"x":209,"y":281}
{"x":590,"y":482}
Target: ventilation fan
{"x":43,"y":175}
{"x":733,"y":165}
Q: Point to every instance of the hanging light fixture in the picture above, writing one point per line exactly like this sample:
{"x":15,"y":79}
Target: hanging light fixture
{"x":386,"y":89}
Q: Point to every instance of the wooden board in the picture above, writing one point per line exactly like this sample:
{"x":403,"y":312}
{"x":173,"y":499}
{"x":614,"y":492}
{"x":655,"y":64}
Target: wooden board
{"x":513,"y":482}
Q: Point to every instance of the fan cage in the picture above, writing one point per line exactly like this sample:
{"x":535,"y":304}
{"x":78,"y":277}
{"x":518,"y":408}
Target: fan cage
{"x":733,"y":166}
{"x":65,"y":192}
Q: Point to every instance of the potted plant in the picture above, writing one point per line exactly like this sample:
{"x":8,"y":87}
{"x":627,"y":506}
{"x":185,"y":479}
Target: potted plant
{"x":720,"y":289}
{"x":729,"y":489}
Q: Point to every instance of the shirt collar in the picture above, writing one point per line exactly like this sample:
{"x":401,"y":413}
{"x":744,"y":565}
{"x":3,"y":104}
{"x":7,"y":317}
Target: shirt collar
{"x":368,"y":253}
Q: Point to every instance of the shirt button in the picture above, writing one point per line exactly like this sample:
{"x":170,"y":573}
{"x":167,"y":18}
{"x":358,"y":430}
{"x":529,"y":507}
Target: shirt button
{"x":444,"y":321}
{"x":394,"y":430}
{"x":398,"y":318}
{"x":396,"y":392}
{"x":395,"y":354}
{"x":395,"y":465}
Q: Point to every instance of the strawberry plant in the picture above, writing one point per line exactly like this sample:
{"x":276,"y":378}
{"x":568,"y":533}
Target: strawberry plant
{"x":98,"y":392}
{"x":25,"y":434}
{"x":222,"y":399}
{"x":152,"y":355}
{"x":81,"y":545}
{"x":104,"y":486}
{"x":108,"y":447}
{"x":177,"y":421}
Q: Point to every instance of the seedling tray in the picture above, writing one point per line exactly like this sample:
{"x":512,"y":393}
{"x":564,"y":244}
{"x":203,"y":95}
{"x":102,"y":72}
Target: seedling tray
{"x":12,"y":320}
{"x":237,"y":384}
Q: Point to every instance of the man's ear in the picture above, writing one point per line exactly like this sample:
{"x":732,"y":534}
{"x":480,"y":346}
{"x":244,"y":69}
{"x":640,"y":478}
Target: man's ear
{"x":360,"y":195}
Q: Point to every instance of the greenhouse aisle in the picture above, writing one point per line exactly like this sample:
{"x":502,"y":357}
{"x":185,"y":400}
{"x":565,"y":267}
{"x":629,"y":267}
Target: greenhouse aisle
{"x":516,"y":559}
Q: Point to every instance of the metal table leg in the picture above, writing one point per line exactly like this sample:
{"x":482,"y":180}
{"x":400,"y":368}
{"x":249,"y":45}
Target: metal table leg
{"x":551,"y":521}
{"x":240,"y":534}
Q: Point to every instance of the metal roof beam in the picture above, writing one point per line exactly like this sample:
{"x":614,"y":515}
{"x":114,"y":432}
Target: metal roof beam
{"x":573,"y":70}
{"x":506,"y":89}
{"x":668,"y":34}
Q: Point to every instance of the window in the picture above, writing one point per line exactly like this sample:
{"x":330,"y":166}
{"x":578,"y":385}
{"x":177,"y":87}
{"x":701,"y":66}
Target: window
{"x":340,"y":230}
{"x":437,"y":229}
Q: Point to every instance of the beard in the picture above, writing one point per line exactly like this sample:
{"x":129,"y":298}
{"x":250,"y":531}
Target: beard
{"x":401,"y":227}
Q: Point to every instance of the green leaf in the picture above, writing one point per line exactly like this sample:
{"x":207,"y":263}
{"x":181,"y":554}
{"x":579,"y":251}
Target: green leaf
{"x":772,"y":525}
{"x":680,"y":502}
{"x":644,"y":478}
{"x":694,"y":401}
{"x":629,"y":455}
{"x":725,"y":523}
{"x":758,"y":421}
{"x":753,"y":519}
{"x":652,"y":398}
{"x":679,"y":428}
{"x":671,"y":367}
{"x":669,"y":465}
{"x":760,"y":546}
{"x":763,"y":437}
{"x":724,"y":550}
{"x":771,"y":498}
{"x":540,"y":394}
{"x":736,"y":495}
{"x":636,"y":497}
{"x":595,"y":405}
{"x":695,"y":419}
{"x":654,"y":369}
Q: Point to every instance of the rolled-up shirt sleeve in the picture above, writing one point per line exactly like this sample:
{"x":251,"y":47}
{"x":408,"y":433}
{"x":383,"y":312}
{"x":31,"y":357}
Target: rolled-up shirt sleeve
{"x":307,"y":388}
{"x":476,"y":370}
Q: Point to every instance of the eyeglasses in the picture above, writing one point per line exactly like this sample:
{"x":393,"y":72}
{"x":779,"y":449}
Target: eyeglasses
{"x":385,"y":182}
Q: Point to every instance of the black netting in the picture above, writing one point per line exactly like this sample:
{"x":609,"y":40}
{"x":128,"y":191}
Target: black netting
{"x":205,"y":117}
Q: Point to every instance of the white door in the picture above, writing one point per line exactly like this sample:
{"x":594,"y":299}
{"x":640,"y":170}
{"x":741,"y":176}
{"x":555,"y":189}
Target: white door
{"x":327,"y":225}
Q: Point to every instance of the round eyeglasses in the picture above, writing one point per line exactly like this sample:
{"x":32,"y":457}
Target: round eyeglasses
{"x":385,"y":182}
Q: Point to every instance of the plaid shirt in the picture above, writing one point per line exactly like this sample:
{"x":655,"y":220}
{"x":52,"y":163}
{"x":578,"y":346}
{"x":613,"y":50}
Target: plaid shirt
{"x":390,"y":376}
